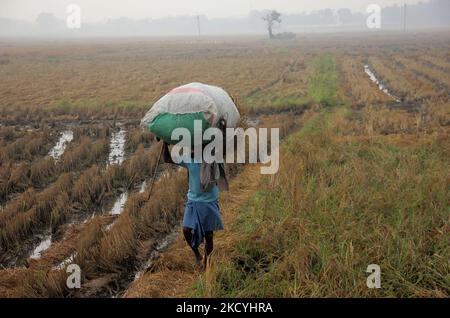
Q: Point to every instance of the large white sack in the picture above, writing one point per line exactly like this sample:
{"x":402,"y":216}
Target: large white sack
{"x":212,"y":101}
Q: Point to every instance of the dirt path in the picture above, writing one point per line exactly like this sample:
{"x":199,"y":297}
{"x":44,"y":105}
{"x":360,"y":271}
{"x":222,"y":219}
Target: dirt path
{"x":174,"y":271}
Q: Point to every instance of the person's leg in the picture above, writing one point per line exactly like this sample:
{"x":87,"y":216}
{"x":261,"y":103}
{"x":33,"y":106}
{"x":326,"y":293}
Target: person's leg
{"x":209,"y":245}
{"x":187,"y":232}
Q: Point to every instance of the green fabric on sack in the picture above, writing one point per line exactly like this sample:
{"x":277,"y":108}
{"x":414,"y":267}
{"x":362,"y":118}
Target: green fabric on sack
{"x":164,"y":124}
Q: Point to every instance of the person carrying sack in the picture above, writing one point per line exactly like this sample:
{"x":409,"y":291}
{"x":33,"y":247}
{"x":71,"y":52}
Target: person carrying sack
{"x":202,"y":215}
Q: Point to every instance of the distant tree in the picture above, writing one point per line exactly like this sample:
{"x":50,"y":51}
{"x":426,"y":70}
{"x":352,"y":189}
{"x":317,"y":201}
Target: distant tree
{"x":271,"y":18}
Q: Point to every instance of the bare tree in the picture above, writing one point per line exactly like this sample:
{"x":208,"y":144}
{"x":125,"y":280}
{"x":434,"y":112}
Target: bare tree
{"x":271,"y":18}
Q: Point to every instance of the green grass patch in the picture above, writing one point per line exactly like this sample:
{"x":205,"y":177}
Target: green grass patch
{"x":323,"y":85}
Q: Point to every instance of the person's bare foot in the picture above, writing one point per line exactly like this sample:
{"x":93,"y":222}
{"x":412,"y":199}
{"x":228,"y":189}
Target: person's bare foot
{"x":206,"y":261}
{"x":198,"y":257}
{"x":199,"y":265}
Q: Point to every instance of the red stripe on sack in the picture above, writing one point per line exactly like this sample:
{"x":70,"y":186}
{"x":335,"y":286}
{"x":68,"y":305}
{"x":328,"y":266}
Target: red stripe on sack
{"x":186,"y":90}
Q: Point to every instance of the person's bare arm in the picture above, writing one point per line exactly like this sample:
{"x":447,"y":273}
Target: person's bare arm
{"x":166,"y":154}
{"x":167,"y":157}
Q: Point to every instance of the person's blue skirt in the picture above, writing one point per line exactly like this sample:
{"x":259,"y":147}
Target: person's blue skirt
{"x":202,"y":217}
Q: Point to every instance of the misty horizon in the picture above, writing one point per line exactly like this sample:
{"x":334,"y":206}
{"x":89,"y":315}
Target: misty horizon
{"x":100,"y":11}
{"x":429,"y":14}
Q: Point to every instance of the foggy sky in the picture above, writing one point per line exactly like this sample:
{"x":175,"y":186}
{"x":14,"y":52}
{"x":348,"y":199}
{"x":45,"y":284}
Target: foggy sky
{"x":102,"y":10}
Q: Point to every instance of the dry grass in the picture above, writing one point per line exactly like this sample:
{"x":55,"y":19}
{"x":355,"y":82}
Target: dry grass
{"x":358,"y":86}
{"x":343,"y":199}
{"x":174,"y":272}
{"x":401,"y":81}
{"x":137,"y":137}
{"x":336,"y":206}
{"x":355,"y":179}
{"x":260,"y":73}
{"x":68,"y":197}
{"x":21,"y":223}
{"x":40,"y":171}
{"x":435,"y":76}
{"x":83,"y":154}
{"x":27,"y":147}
